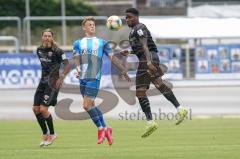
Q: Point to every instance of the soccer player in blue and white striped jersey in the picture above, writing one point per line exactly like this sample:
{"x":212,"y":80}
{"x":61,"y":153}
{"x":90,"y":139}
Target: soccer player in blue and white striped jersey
{"x":88,"y":54}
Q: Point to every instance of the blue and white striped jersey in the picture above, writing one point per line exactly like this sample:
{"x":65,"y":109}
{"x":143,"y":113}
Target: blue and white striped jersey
{"x":91,"y":52}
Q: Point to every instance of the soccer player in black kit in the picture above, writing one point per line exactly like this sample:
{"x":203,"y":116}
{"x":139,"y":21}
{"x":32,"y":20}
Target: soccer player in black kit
{"x":51,"y":58}
{"x":149,"y":70}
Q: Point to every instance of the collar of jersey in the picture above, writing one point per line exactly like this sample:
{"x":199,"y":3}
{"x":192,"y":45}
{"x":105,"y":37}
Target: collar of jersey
{"x":94,"y":37}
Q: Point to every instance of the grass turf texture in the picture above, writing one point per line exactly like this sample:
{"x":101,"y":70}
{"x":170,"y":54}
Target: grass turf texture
{"x":194,"y":139}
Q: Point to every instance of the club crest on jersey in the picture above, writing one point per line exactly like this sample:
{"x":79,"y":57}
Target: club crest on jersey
{"x":46,"y":97}
{"x":50,"y":53}
{"x":140,"y":32}
{"x":89,"y":51}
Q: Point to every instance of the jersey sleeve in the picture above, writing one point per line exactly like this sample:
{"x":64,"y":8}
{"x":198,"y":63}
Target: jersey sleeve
{"x":107,"y":49}
{"x":62,"y":55}
{"x":36,"y":53}
{"x":76,"y":48}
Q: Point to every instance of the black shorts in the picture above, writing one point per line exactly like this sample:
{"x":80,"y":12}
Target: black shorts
{"x":144,"y":77}
{"x":45,"y":95}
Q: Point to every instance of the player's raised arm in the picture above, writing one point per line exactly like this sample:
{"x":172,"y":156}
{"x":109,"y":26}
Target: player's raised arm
{"x":121,"y":68}
{"x":109,"y":52}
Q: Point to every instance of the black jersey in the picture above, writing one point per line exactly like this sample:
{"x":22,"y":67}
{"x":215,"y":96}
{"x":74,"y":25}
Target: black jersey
{"x":51,"y":59}
{"x":139,"y":31}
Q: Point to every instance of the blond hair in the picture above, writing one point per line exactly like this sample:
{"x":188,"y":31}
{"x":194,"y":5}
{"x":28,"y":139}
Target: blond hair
{"x":89,"y":18}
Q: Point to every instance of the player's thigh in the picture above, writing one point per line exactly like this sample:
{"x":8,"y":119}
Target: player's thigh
{"x":161,"y":69}
{"x":92,"y":88}
{"x":82,"y":88}
{"x":49,"y":97}
{"x":38,"y":96}
{"x":142,"y":80}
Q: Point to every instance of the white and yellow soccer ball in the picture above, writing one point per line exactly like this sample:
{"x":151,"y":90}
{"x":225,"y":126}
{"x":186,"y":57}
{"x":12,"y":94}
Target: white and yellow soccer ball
{"x":114,"y":23}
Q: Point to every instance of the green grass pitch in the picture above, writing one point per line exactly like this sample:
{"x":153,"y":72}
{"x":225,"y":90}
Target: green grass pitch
{"x":194,"y":139}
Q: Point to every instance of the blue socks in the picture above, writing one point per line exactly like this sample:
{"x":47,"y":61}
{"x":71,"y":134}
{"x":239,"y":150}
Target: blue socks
{"x":100,"y":115}
{"x":97,"y":117}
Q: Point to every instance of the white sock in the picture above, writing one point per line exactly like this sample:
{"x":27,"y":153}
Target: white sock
{"x":179,"y":107}
{"x":100,"y":128}
{"x":150,"y":121}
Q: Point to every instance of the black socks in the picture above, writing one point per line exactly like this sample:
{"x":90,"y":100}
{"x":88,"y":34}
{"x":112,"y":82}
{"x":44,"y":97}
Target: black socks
{"x":145,"y":105}
{"x":167,"y":92}
{"x":49,"y":121}
{"x":42,"y":124}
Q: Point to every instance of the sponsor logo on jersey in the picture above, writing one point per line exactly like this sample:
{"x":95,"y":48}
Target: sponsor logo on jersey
{"x":89,"y":51}
{"x":45,"y":59}
{"x":64,"y":57}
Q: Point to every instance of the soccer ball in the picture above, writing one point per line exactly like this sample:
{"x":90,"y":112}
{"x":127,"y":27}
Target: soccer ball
{"x":114,"y":23}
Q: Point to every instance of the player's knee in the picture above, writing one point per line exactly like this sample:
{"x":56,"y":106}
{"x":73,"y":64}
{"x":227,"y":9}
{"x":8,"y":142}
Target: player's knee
{"x":36,"y":109}
{"x":141,"y":94}
{"x":87,"y":106}
{"x":158,"y":83}
{"x":87,"y":103}
{"x":44,"y":110}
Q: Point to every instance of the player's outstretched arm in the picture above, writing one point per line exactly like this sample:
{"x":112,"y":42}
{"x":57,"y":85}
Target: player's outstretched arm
{"x":121,"y":68}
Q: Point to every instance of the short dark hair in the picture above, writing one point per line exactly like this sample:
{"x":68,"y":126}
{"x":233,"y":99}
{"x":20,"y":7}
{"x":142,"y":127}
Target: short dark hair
{"x":134,"y":11}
